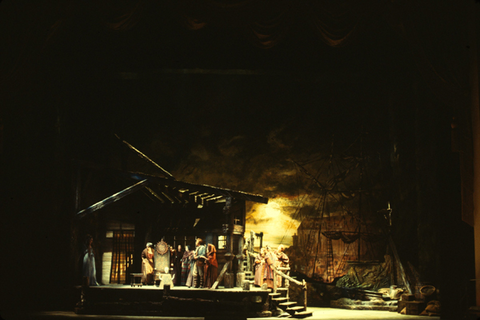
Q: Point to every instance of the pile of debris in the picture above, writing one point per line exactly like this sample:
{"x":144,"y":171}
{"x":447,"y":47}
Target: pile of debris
{"x":423,"y":302}
{"x":370,"y":285}
{"x":392,"y":299}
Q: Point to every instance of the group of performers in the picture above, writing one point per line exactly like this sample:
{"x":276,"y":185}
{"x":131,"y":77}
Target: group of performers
{"x":192,"y":268}
{"x":195,"y":268}
{"x":264,"y":262}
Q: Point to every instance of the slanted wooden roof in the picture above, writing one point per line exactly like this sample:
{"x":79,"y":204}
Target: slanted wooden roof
{"x":171,"y":191}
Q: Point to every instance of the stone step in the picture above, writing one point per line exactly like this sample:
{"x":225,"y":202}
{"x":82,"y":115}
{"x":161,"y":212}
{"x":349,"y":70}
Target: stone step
{"x":274,"y":294}
{"x":302,"y":314}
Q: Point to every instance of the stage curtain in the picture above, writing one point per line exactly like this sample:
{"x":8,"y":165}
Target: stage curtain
{"x":266,"y":23}
{"x":118,"y":15}
{"x":437,"y":32}
{"x":272,"y":25}
{"x":28,"y":30}
{"x":338,"y":22}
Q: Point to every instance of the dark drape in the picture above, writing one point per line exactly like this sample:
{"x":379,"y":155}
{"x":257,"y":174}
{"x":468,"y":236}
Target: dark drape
{"x":436,"y":31}
{"x":438,"y":35}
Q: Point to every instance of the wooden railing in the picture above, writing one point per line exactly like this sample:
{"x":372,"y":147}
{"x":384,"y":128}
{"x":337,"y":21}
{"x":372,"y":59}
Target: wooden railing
{"x":303,"y":283}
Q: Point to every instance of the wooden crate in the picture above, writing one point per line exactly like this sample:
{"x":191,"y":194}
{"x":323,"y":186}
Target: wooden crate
{"x":414,"y":307}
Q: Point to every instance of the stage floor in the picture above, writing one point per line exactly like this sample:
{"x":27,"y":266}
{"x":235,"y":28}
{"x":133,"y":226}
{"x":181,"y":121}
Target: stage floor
{"x":177,"y":288}
{"x":318,"y":314}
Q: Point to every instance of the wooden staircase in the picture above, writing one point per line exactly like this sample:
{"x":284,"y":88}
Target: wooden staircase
{"x":280,"y":303}
{"x":283,"y":308}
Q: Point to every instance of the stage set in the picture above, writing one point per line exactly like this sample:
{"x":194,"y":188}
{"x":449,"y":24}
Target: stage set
{"x":186,"y":217}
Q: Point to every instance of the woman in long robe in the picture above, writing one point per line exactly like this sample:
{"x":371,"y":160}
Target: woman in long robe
{"x":211,"y":266}
{"x":282,"y":261}
{"x":259,"y":267}
{"x":270,"y":260}
{"x":185,"y":266}
{"x":89,"y":270}
{"x":147,"y":264}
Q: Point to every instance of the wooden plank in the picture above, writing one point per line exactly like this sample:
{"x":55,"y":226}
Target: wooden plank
{"x":156,"y":195}
{"x":220,"y":276}
{"x":143,"y":156}
{"x":113,"y":198}
{"x":287,"y":277}
{"x":397,"y":258}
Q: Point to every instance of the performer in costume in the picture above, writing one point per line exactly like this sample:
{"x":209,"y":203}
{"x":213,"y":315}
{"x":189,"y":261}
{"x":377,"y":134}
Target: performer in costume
{"x":177,"y":265}
{"x":200,"y":257}
{"x":270,"y":260}
{"x":211,"y":266}
{"x":191,"y":266}
{"x":147,"y":264}
{"x":282,"y":261}
{"x":89,"y":262}
{"x":185,"y":265}
{"x":259,"y":267}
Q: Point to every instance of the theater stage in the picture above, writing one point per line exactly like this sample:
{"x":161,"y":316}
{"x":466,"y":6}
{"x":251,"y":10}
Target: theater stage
{"x":152,"y":300}
{"x":318,"y":314}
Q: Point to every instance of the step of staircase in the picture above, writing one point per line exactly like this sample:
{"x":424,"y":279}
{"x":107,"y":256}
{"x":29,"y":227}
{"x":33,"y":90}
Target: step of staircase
{"x":285,"y":315}
{"x":287,"y":304}
{"x":280,"y":299}
{"x":296,"y":309}
{"x":274,"y":294}
{"x":302,"y":314}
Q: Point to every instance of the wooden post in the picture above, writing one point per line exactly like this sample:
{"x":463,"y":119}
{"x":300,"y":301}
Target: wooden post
{"x":274,"y":280}
{"x":287,"y":283}
{"x":304,"y":288}
{"x":397,"y":258}
{"x":220,"y":276}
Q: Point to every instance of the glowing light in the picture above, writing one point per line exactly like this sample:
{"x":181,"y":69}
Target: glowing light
{"x":274,"y":220}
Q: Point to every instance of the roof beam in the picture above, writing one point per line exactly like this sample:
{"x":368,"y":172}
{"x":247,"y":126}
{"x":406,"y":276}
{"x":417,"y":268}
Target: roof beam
{"x":113,"y":198}
{"x":203,"y":188}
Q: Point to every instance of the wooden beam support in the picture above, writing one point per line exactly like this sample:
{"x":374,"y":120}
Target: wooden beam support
{"x":397,"y":259}
{"x":220,"y":276}
{"x":113,"y":198}
{"x":143,"y":156}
